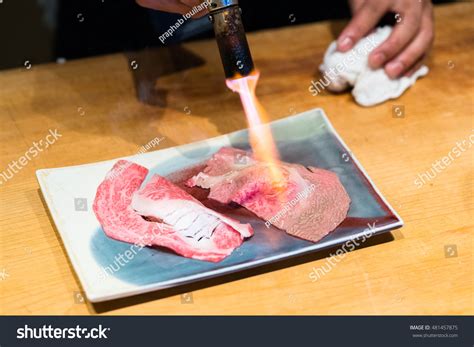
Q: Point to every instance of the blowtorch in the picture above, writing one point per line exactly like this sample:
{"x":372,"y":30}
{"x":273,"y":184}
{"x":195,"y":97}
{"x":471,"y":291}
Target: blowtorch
{"x":242,"y":78}
{"x":225,"y":16}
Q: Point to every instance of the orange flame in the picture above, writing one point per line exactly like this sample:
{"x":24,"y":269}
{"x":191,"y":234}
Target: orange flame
{"x":261,"y":138}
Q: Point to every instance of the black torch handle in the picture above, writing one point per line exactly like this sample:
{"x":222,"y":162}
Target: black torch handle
{"x":231,"y":39}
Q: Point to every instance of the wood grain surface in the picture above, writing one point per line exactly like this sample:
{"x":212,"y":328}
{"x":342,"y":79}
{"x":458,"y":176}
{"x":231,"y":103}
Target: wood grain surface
{"x":109,"y":106}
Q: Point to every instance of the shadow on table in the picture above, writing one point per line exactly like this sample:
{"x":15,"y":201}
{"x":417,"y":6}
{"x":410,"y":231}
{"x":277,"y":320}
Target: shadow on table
{"x":95,"y":97}
{"x":150,"y":66}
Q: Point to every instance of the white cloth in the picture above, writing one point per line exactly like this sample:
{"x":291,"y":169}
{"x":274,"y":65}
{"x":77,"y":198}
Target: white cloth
{"x":371,"y":87}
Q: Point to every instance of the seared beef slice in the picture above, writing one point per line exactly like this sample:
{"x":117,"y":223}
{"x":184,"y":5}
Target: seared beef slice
{"x":305,"y":202}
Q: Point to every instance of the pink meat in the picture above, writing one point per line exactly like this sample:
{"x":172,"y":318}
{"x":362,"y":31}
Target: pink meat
{"x":216,"y":238}
{"x":306,"y":202}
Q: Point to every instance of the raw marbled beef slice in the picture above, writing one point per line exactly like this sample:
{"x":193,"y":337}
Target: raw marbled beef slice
{"x":120,"y":221}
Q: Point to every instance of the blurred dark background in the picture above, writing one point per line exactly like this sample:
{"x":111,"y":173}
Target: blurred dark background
{"x":42,"y":31}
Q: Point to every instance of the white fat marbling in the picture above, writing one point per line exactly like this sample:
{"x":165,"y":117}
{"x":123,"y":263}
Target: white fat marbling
{"x":187,"y":218}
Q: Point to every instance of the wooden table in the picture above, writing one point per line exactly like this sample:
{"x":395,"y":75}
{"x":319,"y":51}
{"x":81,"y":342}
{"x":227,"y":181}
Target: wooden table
{"x":109,"y":106}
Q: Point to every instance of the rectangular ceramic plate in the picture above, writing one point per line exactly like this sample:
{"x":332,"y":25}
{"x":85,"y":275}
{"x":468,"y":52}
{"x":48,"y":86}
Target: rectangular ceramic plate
{"x":307,"y":138}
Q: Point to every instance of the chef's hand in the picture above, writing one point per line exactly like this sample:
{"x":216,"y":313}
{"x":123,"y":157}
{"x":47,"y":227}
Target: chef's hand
{"x":409,"y":42}
{"x":173,"y":6}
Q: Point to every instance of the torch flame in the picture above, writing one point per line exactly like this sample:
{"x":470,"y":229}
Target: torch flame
{"x":261,"y":138}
